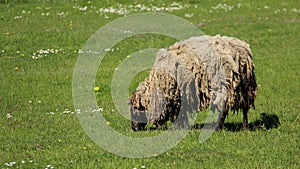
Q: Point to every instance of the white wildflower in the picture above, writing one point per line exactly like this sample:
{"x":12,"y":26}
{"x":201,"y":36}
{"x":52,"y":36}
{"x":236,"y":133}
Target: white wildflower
{"x":80,"y":51}
{"x":78,"y":111}
{"x":49,"y":167}
{"x":66,"y":111}
{"x":60,"y":14}
{"x":127,"y":31}
{"x":50,"y":113}
{"x":121,"y":9}
{"x":295,"y":10}
{"x":10,"y":164}
{"x":8,"y":116}
{"x":44,"y":53}
{"x":83,"y":8}
{"x":188,"y":15}
{"x":97,"y":110}
{"x":18,"y":17}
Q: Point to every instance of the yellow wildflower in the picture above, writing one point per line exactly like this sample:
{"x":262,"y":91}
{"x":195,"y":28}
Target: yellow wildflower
{"x":96,"y":88}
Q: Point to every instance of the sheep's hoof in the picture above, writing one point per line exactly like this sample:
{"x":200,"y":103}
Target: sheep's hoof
{"x":245,"y":126}
{"x":219,"y":128}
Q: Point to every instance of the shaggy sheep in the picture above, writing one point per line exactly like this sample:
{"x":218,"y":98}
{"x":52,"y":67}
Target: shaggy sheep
{"x":179,"y":81}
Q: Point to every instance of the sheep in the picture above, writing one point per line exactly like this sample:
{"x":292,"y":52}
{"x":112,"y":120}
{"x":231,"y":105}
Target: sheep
{"x":179,"y":82}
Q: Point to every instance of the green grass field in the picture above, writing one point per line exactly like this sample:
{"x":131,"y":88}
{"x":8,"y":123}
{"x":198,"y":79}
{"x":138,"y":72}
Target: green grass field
{"x":39,"y":44}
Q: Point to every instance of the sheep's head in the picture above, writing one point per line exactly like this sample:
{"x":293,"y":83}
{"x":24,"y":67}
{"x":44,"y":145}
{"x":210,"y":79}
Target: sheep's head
{"x":138,"y":119}
{"x":137,"y":113}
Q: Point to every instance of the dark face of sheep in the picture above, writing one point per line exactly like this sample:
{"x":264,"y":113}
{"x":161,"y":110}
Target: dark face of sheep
{"x":138,"y":120}
{"x":137,"y":113}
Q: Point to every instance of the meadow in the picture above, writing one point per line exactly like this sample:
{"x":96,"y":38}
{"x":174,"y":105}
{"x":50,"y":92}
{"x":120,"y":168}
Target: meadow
{"x":39,"y":46}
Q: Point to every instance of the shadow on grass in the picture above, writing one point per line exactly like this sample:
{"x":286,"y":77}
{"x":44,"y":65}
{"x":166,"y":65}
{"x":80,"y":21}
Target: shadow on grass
{"x":266,"y":121}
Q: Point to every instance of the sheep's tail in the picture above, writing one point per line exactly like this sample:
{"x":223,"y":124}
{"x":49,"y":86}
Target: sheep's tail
{"x":242,"y":75}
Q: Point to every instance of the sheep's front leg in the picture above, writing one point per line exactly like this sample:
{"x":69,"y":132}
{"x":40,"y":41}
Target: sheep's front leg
{"x":182,"y":121}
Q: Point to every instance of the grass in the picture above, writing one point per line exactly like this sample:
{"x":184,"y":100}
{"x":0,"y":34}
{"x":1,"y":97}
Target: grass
{"x":38,"y":132}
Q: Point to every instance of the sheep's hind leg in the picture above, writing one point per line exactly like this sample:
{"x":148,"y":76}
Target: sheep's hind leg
{"x":222,"y":117}
{"x":245,"y":118}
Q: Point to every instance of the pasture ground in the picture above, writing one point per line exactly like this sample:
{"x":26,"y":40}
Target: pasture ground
{"x":38,"y":128}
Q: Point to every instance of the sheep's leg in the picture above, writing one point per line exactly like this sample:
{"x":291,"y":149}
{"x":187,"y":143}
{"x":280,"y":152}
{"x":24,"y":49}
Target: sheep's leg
{"x":222,"y":117}
{"x":162,"y":124}
{"x":182,"y":122}
{"x":186,"y":124}
{"x":245,"y":118}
